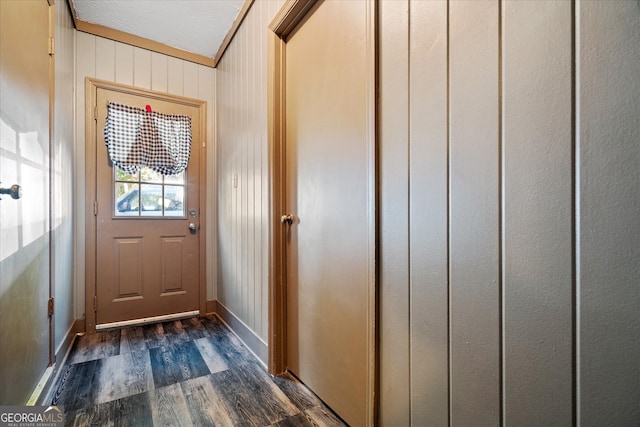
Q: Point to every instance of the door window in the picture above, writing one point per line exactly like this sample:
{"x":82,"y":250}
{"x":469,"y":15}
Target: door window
{"x":148,"y":194}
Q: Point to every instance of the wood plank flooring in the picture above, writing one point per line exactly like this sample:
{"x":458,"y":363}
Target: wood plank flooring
{"x":191,"y":372}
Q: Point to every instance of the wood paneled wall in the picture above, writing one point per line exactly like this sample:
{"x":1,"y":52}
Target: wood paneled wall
{"x":509,"y":233}
{"x":243,"y":188}
{"x":63,"y":173}
{"x":607,"y":174}
{"x":104,"y":59}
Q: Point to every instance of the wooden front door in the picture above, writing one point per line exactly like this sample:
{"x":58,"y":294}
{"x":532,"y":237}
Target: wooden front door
{"x":147,"y":227}
{"x":330,"y":198}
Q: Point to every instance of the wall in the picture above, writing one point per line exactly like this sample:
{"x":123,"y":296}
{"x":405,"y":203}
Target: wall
{"x":63,"y":173}
{"x":104,"y":59}
{"x":509,"y":240}
{"x":243,"y":188}
{"x":608,"y":202}
{"x":510,"y":244}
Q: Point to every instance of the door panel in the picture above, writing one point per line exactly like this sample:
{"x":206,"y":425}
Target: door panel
{"x":328,"y":176}
{"x":129,"y":260}
{"x":147,"y":264}
{"x":24,"y":223}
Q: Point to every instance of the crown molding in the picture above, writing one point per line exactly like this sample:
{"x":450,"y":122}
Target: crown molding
{"x":144,"y":43}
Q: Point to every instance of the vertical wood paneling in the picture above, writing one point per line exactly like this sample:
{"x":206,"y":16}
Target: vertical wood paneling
{"x":394,"y":354}
{"x":242,"y":157}
{"x":474,"y":214}
{"x":428,"y":330}
{"x":142,"y":68}
{"x":159,"y":70}
{"x":236,"y":283}
{"x":105,"y":59}
{"x":124,"y":63}
{"x":257,"y":101}
{"x":63,"y":179}
{"x":190,"y":79}
{"x":608,"y":178}
{"x":262,"y":198}
{"x":85,"y":67}
{"x":206,"y":90}
{"x":222,"y":180}
{"x":244,"y":172}
{"x":175,"y":76}
{"x":236,"y":279}
{"x":543,"y":264}
{"x":537,"y":194}
{"x":251,"y":183}
{"x":264,"y":171}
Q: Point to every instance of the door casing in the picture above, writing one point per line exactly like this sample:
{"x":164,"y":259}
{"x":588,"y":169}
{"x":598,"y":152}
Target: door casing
{"x":291,"y":15}
{"x":91,"y":87}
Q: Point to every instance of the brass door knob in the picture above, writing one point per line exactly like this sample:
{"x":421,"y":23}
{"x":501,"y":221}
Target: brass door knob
{"x":286,"y":219}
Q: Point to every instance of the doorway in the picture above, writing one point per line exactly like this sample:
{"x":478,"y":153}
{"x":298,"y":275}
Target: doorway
{"x":145,"y":229}
{"x":323,"y":145}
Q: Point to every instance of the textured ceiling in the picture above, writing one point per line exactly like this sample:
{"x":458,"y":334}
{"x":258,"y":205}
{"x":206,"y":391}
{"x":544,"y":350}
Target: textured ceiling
{"x":197,"y":26}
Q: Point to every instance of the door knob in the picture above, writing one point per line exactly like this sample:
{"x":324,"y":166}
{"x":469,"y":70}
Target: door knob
{"x":15,"y":191}
{"x":193,"y":228}
{"x":286,"y":219}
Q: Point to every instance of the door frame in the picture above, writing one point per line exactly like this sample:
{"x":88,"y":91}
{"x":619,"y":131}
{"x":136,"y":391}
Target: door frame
{"x":91,"y":88}
{"x":292,"y":14}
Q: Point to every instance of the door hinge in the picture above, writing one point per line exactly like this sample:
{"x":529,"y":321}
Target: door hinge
{"x":50,"y":307}
{"x":52,"y":46}
{"x":95,"y":208}
{"x":95,"y":303}
{"x":95,"y":113}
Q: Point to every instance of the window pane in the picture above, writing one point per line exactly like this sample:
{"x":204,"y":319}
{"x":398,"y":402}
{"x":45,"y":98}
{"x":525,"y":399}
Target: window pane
{"x":173,"y":200}
{"x":175,"y":179}
{"x":123,"y":176}
{"x":127,"y":200}
{"x":151,"y":200}
{"x":147,"y":175}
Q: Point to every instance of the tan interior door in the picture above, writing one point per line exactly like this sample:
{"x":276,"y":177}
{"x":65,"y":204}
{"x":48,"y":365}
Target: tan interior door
{"x":328,"y":176}
{"x":147,"y":257}
{"x":24,"y":223}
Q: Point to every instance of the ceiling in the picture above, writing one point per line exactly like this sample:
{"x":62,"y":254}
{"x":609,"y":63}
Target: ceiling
{"x":196,"y":26}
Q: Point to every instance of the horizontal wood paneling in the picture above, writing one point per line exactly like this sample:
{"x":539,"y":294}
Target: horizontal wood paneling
{"x":97,"y":57}
{"x":243,"y":170}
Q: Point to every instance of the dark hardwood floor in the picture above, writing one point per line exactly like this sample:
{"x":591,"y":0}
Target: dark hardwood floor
{"x":191,"y":372}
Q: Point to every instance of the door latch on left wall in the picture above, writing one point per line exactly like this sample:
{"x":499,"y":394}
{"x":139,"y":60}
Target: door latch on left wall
{"x":50,"y":307}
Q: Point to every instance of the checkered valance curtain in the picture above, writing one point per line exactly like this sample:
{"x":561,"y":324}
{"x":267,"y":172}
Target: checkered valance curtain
{"x":137,"y":138}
